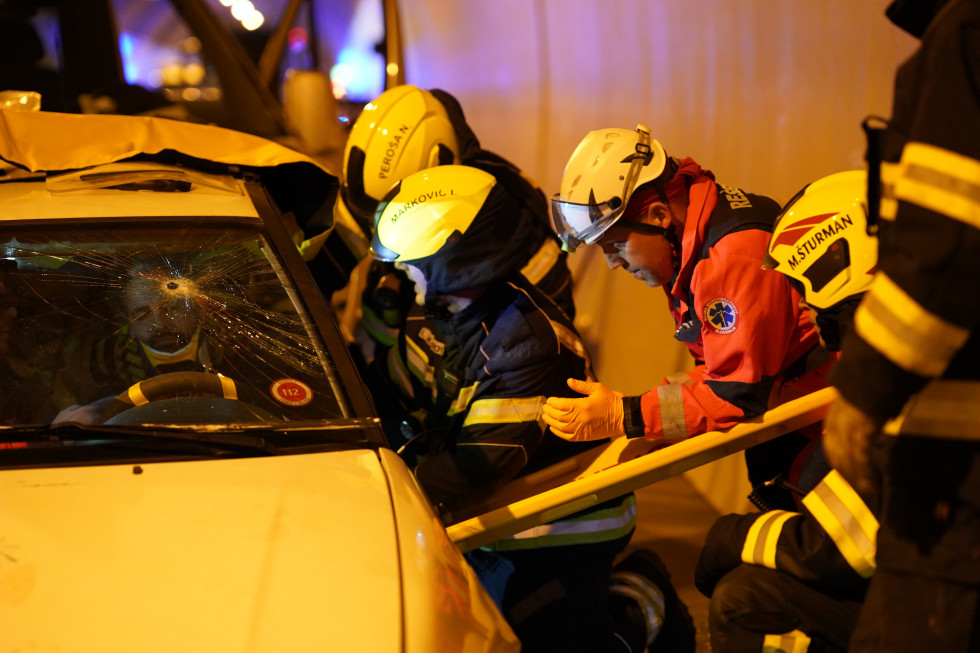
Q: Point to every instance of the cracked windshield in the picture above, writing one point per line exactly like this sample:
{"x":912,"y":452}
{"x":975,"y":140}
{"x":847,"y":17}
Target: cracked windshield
{"x":161,"y":326}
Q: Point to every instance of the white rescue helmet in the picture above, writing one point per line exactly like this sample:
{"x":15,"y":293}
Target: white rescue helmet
{"x":599,"y":178}
{"x":821,"y":242}
{"x":404,"y":130}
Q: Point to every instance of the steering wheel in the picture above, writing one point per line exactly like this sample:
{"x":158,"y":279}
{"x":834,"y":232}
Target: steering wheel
{"x":171,"y":386}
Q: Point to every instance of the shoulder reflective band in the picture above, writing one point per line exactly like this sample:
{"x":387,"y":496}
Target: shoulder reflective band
{"x":543,"y":260}
{"x":941,"y":181}
{"x":848,"y":521}
{"x":505,"y":410}
{"x":672,"y":422}
{"x":795,"y":641}
{"x":943,"y":409}
{"x":760,"y":543}
{"x":902,"y":331}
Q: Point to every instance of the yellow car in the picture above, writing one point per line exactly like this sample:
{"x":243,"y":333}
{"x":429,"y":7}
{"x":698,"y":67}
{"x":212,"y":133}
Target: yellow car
{"x":189,"y":460}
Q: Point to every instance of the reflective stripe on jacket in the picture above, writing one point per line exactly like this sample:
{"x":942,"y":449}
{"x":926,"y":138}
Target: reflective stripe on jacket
{"x":482,"y":375}
{"x":830,"y":547}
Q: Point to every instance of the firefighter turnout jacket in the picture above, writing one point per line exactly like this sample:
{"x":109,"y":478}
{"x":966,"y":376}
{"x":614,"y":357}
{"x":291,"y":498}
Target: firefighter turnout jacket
{"x":830,"y":546}
{"x":478,"y":380}
{"x":915,"y":344}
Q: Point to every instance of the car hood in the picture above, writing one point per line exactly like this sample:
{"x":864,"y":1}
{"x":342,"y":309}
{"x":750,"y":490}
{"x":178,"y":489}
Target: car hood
{"x":264,"y":554}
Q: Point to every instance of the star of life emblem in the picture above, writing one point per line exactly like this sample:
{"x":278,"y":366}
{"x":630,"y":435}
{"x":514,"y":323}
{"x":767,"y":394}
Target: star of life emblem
{"x":721,"y":314}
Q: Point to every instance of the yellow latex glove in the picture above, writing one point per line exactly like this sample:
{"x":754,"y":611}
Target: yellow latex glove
{"x":597,"y":415}
{"x":847,"y":441}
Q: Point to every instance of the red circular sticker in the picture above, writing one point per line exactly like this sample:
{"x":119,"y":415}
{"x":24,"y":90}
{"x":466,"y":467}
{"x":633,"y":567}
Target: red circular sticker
{"x":291,"y":392}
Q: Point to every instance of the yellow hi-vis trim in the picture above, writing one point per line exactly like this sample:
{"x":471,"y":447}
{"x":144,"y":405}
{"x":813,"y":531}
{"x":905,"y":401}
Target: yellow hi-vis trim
{"x":795,"y":641}
{"x":508,"y":410}
{"x":418,"y":363}
{"x":672,"y":422}
{"x":941,"y":181}
{"x":136,"y":395}
{"x":310,"y":247}
{"x":888,"y":205}
{"x":228,"y":389}
{"x":901,"y":330}
{"x":760,"y":544}
{"x":946,"y":408}
{"x":543,"y":260}
{"x":841,"y":512}
{"x":571,"y":341}
{"x":463,"y":400}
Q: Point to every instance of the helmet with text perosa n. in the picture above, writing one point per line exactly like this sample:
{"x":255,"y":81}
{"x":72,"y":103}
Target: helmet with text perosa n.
{"x":404,"y":130}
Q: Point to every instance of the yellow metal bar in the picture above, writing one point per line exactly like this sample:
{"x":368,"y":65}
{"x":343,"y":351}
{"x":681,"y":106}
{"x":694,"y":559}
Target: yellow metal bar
{"x":620,"y":466}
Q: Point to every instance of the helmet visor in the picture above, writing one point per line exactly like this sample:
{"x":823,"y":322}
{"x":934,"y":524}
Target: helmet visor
{"x":582,"y":224}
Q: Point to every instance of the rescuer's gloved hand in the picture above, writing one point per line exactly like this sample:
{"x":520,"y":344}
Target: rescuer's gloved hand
{"x":847,"y":442}
{"x":597,"y":415}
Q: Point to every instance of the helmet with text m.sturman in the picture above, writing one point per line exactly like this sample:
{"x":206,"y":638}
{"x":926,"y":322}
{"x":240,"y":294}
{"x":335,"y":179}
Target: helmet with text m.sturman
{"x":450,"y":222}
{"x":821,"y":240}
{"x":404,"y":130}
{"x":605,"y":169}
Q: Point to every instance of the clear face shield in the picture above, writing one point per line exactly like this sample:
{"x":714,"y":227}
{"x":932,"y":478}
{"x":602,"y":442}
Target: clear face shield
{"x":582,"y":224}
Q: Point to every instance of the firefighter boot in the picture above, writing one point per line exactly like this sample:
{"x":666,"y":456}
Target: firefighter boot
{"x":641,"y":592}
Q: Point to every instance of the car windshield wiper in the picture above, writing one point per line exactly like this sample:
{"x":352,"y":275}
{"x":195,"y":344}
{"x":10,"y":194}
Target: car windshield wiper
{"x":249,"y":439}
{"x":71,"y":434}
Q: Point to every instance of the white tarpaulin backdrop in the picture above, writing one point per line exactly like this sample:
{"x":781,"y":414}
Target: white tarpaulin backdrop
{"x":768,"y":94}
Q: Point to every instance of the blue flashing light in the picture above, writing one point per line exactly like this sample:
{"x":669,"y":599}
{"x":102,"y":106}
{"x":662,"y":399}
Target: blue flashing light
{"x":130,"y":69}
{"x":360,"y":72}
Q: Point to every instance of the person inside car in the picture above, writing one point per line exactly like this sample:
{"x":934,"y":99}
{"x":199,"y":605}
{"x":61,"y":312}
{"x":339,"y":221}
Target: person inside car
{"x":23,"y":398}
